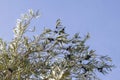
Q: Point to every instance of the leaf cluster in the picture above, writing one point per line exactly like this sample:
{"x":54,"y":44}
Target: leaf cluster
{"x":51,"y":55}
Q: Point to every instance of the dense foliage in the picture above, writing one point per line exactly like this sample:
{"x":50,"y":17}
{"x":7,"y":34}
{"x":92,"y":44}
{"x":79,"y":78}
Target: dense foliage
{"x":51,"y":55}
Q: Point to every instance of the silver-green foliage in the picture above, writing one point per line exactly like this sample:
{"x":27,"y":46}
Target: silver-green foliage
{"x":51,"y":55}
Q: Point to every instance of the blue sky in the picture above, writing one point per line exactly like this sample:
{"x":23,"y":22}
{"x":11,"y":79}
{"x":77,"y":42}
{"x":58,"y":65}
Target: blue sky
{"x":101,"y":18}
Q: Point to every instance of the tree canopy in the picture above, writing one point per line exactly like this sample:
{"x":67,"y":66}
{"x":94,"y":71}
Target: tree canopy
{"x":51,"y":55}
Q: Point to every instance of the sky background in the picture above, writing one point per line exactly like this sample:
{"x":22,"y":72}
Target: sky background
{"x":101,"y":18}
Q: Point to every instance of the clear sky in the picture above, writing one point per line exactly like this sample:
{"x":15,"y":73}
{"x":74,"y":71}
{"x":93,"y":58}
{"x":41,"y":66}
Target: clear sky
{"x":101,"y":18}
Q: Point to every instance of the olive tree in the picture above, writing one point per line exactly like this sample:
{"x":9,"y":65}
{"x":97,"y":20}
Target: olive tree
{"x":51,"y":55}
